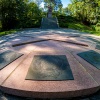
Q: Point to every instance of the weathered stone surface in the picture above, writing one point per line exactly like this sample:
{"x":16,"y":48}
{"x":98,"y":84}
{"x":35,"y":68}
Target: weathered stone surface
{"x":92,"y":57}
{"x":7,"y":57}
{"x":98,"y":46}
{"x":82,"y":84}
{"x":49,"y":23}
{"x":12,"y":78}
{"x":49,"y":67}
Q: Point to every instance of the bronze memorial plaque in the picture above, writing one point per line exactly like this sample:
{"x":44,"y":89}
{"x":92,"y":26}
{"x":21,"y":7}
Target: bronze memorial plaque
{"x":7,"y":57}
{"x":97,"y":46}
{"x":49,"y":67}
{"x":92,"y":57}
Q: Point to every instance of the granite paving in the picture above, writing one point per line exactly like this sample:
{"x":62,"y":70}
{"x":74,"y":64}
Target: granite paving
{"x":86,"y":83}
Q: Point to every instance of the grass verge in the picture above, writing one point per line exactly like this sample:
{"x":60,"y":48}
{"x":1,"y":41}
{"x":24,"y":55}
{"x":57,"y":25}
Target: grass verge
{"x":72,"y":23}
{"x":8,"y":32}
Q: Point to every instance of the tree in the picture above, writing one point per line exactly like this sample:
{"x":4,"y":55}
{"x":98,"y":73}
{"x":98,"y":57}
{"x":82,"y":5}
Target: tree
{"x":18,"y":13}
{"x":88,"y":11}
{"x":8,"y":13}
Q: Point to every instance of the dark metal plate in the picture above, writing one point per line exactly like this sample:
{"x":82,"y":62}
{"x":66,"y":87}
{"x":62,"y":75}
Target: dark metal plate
{"x":7,"y":57}
{"x":49,"y":67}
{"x":92,"y":57}
{"x":97,"y":47}
{"x":94,"y":40}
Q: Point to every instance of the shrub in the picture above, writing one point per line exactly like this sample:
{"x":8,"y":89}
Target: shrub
{"x":97,"y":28}
{"x":93,"y":27}
{"x":64,"y":25}
{"x":98,"y":24}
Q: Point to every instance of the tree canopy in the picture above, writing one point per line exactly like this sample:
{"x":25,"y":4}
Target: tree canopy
{"x":19,"y":13}
{"x":88,"y":11}
{"x":26,"y":13}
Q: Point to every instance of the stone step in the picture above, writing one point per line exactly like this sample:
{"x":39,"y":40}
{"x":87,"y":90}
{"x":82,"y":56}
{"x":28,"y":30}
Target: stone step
{"x":49,"y":23}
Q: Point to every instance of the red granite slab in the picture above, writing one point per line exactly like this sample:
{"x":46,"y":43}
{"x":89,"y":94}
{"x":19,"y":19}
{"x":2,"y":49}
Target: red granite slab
{"x":82,"y":85}
{"x":20,"y":39}
{"x":94,"y":72}
{"x":86,"y":81}
{"x":5,"y":72}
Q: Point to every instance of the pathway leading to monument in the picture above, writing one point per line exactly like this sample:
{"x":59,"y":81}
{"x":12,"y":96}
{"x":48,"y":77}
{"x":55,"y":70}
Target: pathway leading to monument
{"x":54,"y":63}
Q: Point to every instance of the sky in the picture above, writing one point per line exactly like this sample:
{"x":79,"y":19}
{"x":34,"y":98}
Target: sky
{"x":65,"y":3}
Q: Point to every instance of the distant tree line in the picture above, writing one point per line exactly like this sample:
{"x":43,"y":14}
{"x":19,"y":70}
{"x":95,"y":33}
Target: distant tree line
{"x":26,"y":13}
{"x":19,"y":14}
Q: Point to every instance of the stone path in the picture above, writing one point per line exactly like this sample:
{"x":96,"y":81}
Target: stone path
{"x":61,"y":41}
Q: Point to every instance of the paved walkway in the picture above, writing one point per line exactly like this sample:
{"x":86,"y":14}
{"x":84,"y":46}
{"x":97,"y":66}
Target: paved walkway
{"x":60,"y":40}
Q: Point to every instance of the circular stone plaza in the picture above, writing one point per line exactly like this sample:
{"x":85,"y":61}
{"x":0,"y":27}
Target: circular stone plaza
{"x":49,"y":63}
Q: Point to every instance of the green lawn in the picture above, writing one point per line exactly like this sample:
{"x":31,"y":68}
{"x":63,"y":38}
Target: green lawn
{"x":7,"y":32}
{"x":83,"y":28}
{"x":2,"y":33}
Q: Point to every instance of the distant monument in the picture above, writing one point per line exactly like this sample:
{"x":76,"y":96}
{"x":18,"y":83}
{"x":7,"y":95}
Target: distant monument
{"x":48,"y":4}
{"x":50,"y":8}
{"x":49,"y":14}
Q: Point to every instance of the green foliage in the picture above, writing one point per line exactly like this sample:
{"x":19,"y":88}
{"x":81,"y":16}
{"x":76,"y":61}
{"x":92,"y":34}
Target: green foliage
{"x":7,"y":32}
{"x":73,"y":23}
{"x":78,"y":26}
{"x":0,"y":26}
{"x":64,"y":20}
{"x":19,"y":14}
{"x":64,"y":25}
{"x":97,"y":28}
{"x":88,"y":11}
{"x":8,"y":13}
{"x":98,"y":24}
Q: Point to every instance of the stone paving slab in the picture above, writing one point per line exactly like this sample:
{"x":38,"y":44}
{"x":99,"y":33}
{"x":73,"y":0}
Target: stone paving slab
{"x":42,"y":46}
{"x":84,"y":41}
{"x":29,"y":42}
{"x":74,"y":50}
{"x":10,"y":41}
{"x":81,"y":85}
{"x":94,"y":72}
{"x":39,"y":46}
{"x":52,"y":37}
{"x":5,"y":72}
{"x":72,"y":42}
{"x":86,"y":81}
{"x":25,"y":49}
